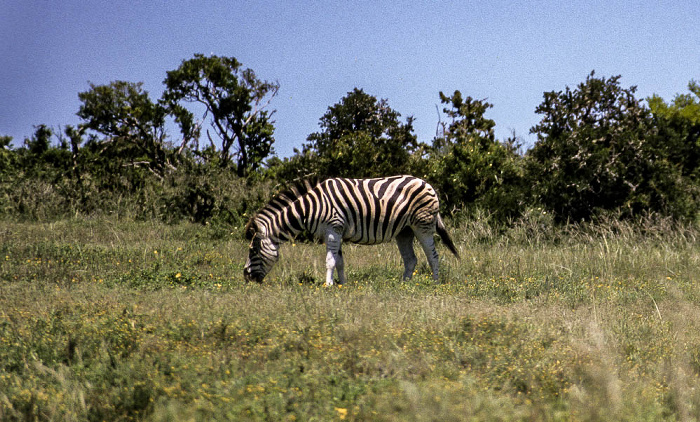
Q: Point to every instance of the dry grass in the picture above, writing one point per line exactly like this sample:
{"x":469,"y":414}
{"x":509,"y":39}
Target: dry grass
{"x":103,"y":320}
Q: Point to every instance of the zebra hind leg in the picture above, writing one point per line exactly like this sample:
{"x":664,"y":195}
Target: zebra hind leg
{"x":428,"y":244}
{"x":404,"y":240}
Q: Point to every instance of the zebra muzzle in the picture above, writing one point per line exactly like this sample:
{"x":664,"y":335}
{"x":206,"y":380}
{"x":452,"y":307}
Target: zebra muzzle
{"x":249,"y":276}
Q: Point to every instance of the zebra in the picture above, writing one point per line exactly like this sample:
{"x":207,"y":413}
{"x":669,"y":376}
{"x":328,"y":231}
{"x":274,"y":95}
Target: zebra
{"x":362,"y":211}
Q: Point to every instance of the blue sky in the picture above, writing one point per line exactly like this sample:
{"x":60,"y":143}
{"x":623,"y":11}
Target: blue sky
{"x":508,"y":52}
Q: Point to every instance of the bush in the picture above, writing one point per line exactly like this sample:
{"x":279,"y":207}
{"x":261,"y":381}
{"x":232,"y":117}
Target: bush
{"x":598,"y":149}
{"x":360,"y":137}
{"x":50,"y":183}
{"x":471,"y":169}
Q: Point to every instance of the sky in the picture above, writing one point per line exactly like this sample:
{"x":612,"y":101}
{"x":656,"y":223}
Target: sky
{"x":508,"y":52}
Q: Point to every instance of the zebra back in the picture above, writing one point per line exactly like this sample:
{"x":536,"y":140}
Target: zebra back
{"x":366,"y":211}
{"x":286,"y":195}
{"x":376,"y":210}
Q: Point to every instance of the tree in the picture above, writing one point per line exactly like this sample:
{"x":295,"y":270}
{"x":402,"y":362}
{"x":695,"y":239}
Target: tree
{"x":7,"y":156}
{"x":235,"y":100}
{"x":597,"y":150}
{"x":469,"y":166}
{"x":360,"y":137}
{"x":679,"y":129}
{"x":134,"y":126}
{"x":39,"y":159}
{"x":38,"y":144}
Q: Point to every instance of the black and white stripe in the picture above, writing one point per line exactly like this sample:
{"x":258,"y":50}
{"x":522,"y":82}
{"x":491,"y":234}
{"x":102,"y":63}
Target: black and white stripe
{"x":364,"y":211}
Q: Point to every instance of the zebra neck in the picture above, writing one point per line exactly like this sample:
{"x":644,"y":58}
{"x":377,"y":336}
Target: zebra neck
{"x":284,"y":226}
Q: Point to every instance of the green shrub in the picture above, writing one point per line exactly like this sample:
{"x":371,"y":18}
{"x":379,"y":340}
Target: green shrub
{"x":470,"y":168}
{"x":598,"y":149}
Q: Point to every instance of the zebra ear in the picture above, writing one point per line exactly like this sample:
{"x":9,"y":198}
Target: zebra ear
{"x":250,"y":230}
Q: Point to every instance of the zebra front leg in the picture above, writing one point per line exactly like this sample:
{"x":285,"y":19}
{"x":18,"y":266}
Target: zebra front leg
{"x":334,"y":258}
{"x":340,"y":266}
{"x":404,"y":240}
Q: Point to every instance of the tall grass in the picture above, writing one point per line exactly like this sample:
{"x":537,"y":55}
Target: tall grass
{"x":111,"y":320}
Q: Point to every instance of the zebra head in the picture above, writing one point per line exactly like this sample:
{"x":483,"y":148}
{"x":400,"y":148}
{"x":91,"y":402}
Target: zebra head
{"x":262,"y":253}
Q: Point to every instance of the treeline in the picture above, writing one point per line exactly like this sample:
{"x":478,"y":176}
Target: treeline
{"x":599,"y":151}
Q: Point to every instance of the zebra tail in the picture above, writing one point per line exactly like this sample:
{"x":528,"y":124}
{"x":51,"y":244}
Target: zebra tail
{"x":442,"y":231}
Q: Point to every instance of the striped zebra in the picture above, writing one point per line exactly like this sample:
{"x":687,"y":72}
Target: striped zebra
{"x":364,"y":211}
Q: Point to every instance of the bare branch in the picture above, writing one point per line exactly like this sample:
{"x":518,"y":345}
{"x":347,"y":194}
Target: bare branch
{"x":259,"y":109}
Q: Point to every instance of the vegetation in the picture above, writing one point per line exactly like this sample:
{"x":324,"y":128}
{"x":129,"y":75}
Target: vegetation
{"x":236,"y":100}
{"x":472,"y":169}
{"x":599,"y":150}
{"x":121,"y":257}
{"x":360,"y":137}
{"x":111,"y":320}
{"x":133,"y":126}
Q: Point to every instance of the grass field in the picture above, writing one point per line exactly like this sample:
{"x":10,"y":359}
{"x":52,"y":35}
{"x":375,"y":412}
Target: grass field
{"x":109,"y":320}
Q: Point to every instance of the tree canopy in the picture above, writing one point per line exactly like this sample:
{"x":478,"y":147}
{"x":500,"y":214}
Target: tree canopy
{"x":133,"y":125}
{"x":467,"y":163}
{"x":599,"y":150}
{"x":234,"y":99}
{"x":360,"y":136}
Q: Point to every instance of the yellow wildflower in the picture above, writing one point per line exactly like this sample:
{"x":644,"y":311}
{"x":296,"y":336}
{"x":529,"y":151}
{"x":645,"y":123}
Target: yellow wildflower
{"x":342,"y":412}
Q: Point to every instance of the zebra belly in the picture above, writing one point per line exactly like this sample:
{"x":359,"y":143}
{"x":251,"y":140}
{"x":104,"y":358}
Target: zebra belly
{"x":352,"y":235}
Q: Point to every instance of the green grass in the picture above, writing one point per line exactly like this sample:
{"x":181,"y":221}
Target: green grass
{"x":111,"y":320}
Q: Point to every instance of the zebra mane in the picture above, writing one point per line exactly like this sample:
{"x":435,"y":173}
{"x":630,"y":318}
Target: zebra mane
{"x":288,"y":193}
